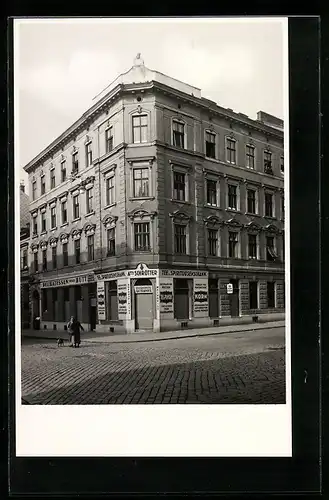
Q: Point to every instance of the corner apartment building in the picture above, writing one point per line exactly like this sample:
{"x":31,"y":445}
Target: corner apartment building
{"x":158,"y":209}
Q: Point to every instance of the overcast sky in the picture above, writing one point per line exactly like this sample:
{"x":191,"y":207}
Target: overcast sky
{"x":63,"y":64}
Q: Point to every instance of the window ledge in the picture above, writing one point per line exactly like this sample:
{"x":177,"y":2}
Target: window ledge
{"x":43,"y":232}
{"x":216,"y":207}
{"x":110,"y":206}
{"x":76,"y":220}
{"x":90,"y":213}
{"x":143,"y":251}
{"x":269,"y":217}
{"x":35,"y":235}
{"x":235,"y":211}
{"x":252,"y":215}
{"x":65,"y":224}
{"x":52,"y":229}
{"x":211,"y":159}
{"x":142,"y":198}
{"x":181,"y":201}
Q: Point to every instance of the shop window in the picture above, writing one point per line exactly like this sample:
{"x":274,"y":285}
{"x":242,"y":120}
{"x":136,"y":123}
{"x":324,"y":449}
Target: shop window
{"x":253,"y":295}
{"x":270,"y":294}
{"x":181,"y":299}
{"x":213,"y":298}
{"x":112,"y":301}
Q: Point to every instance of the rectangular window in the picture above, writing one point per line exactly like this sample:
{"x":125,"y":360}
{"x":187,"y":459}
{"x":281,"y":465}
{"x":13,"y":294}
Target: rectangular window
{"x":178,"y":134}
{"x":34,"y":190}
{"x":44,"y":260}
{"x":232,"y":197}
{"x":139,"y":129}
{"x":270,"y":249}
{"x":109,"y":139}
{"x":52,"y":178}
{"x":35,"y":225}
{"x":282,"y":164}
{"x":75,"y":163}
{"x":65,"y":255}
{"x":253,"y":295}
{"x":64,"y":212}
{"x":89,"y":154}
{"x":270,"y":294}
{"x":233,"y":245}
{"x":142,"y":236}
{"x":90,"y":243}
{"x":35,"y":262}
{"x":77,"y":251}
{"x":212,"y":242}
{"x":89,"y":200}
{"x":111,"y":242}
{"x":110,"y":193}
{"x":268,"y":162}
{"x":251,"y":201}
{"x":63,"y":171}
{"x":24,"y":259}
{"x":250,"y":156}
{"x":210,"y":145}
{"x":180,"y":238}
{"x":141,"y":182}
{"x":76,"y":207}
{"x":211,"y":193}
{"x":252,"y":246}
{"x":179,"y":186}
{"x":53,"y":217}
{"x":43,"y":222}
{"x":268,"y":205}
{"x":43,"y":184}
{"x":230,"y":150}
{"x":54,"y":257}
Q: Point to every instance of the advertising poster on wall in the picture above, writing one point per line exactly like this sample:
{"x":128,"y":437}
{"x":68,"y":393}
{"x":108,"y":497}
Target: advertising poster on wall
{"x":200,"y":297}
{"x":101,"y":311}
{"x":166,"y":295}
{"x":123,"y":299}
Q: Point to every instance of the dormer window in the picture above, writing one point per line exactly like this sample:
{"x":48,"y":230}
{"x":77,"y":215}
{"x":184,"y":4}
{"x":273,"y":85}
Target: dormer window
{"x":139,"y":129}
{"x":178,"y":134}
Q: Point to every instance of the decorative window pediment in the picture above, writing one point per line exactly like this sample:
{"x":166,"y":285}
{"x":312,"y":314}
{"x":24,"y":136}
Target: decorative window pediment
{"x":52,"y":203}
{"x":212,"y":220}
{"x":76,"y":234}
{"x":63,"y":197}
{"x":34,"y":247}
{"x":64,"y":237}
{"x":87,"y":140}
{"x":34,"y":213}
{"x":140,"y":213}
{"x":233,"y":223}
{"x":109,"y":221}
{"x":89,"y":229}
{"x":41,"y":173}
{"x":43,"y":209}
{"x":180,"y":216}
{"x":63,"y":158}
{"x":43,"y":245}
{"x":53,"y":242}
{"x":270,"y":228}
{"x":253,"y":226}
{"x":74,"y":150}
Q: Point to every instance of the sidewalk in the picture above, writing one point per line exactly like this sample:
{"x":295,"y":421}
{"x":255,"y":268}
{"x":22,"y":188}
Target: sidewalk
{"x":96,"y":337}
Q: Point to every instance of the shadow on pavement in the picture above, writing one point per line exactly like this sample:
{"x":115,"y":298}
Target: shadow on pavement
{"x":244,"y":379}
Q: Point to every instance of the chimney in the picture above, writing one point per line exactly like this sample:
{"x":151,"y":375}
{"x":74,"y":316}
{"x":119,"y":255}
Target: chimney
{"x":22,"y":186}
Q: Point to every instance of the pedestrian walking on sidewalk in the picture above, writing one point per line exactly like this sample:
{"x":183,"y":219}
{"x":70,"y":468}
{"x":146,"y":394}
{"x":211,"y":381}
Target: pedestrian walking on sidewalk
{"x":74,"y":326}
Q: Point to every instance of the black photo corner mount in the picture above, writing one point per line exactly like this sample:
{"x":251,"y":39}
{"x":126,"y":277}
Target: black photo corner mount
{"x":299,"y":474}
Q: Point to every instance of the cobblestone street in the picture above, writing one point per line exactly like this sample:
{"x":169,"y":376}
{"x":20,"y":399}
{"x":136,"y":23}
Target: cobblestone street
{"x":241,"y":367}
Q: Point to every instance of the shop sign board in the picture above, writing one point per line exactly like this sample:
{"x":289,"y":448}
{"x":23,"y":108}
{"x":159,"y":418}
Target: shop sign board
{"x":141,"y":271}
{"x":229,"y":288}
{"x":166,"y":295}
{"x":200,"y":297}
{"x":72,"y":280}
{"x":143,"y":289}
{"x":124,"y":299}
{"x":183,"y":273}
{"x":101,"y":310}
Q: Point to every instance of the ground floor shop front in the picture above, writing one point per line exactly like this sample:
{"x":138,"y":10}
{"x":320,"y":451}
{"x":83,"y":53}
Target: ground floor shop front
{"x":151,"y":299}
{"x":145,"y":299}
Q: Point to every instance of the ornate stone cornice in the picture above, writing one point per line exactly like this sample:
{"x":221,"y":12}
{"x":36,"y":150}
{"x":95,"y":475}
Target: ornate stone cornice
{"x":63,"y":237}
{"x":109,"y":221}
{"x":53,"y":241}
{"x":89,"y":229}
{"x":213,"y":220}
{"x":140,"y":213}
{"x":180,"y":216}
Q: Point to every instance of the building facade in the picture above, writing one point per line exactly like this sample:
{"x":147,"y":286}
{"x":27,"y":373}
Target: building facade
{"x":158,"y":209}
{"x":24,"y":250}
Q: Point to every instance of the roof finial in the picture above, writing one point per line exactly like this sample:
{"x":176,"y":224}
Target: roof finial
{"x":138,"y":61}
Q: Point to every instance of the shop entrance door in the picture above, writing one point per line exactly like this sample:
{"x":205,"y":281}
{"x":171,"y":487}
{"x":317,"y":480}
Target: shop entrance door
{"x":144,"y":310}
{"x":235,"y":306}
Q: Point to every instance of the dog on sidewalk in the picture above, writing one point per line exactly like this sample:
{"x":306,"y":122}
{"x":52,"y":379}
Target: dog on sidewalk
{"x":60,"y":342}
